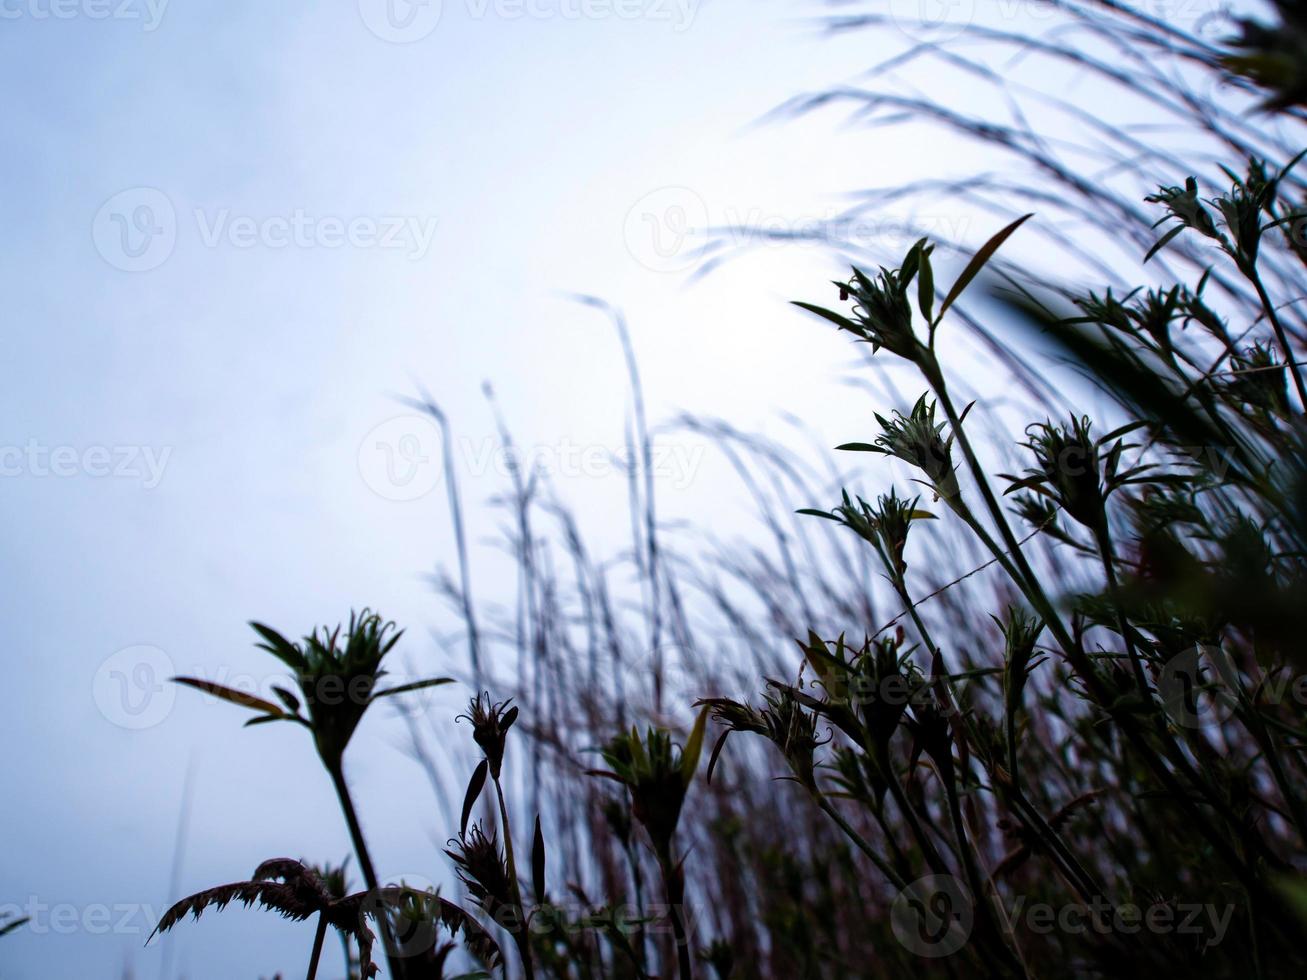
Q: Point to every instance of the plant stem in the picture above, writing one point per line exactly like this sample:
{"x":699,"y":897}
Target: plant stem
{"x":674,"y":887}
{"x":336,"y":770}
{"x":1280,"y":333}
{"x":894,"y":878}
{"x":521,"y":933}
{"x":318,"y":938}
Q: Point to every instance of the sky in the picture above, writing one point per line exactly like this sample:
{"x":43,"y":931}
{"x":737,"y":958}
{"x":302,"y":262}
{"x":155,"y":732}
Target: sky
{"x":235,"y":234}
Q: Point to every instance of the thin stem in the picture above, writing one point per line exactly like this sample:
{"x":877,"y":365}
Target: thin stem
{"x":318,"y":938}
{"x":1280,"y":333}
{"x":860,"y":842}
{"x":521,"y":933}
{"x":674,"y":887}
{"x":336,"y":770}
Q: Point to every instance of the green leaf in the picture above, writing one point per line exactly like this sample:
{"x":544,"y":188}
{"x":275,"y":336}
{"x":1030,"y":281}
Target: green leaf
{"x":474,"y":787}
{"x":978,"y":262}
{"x":693,"y":747}
{"x":264,"y":719}
{"x":716,"y":751}
{"x":287,"y":698}
{"x":926,"y":286}
{"x":415,"y":686}
{"x":809,"y":512}
{"x":1029,"y":482}
{"x":843,"y":322}
{"x":538,"y":863}
{"x":1162,"y":242}
{"x":279,"y":647}
{"x":228,"y":694}
{"x":10,"y":926}
{"x":861,"y":447}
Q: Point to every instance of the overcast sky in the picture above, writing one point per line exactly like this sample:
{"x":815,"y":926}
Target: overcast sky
{"x":233,"y":232}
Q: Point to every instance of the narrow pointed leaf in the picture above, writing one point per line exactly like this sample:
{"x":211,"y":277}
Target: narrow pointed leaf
{"x":843,"y":322}
{"x":694,"y":747}
{"x":538,"y":863}
{"x":1162,"y":242}
{"x":474,"y":787}
{"x":227,"y":694}
{"x":978,"y":262}
{"x":414,"y":686}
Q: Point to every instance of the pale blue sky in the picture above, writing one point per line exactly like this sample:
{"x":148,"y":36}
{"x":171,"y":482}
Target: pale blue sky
{"x":253,"y":372}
